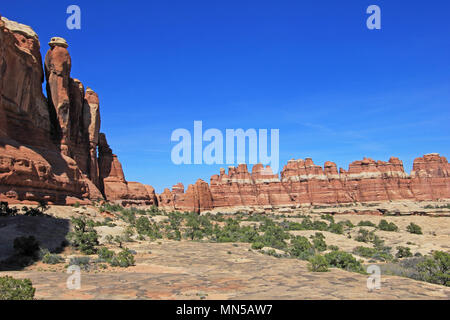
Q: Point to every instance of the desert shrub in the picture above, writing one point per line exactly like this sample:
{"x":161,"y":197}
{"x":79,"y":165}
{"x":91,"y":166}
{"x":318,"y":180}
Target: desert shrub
{"x":274,"y":236}
{"x":348,"y":224}
{"x":26,"y":246}
{"x":105,"y":255}
{"x":82,"y":262}
{"x":333,"y":247}
{"x":129,"y":216}
{"x":83,"y":237}
{"x":111,"y":207}
{"x":337,"y":228}
{"x":436,"y":269}
{"x":294,"y":225}
{"x":16,"y":289}
{"x":109,"y":238}
{"x":366,"y":223}
{"x":301,"y":248}
{"x":365,"y":251}
{"x":6,"y":211}
{"x":318,"y":263}
{"x":35,"y":212}
{"x":123,"y":259}
{"x":327,"y":217}
{"x":414,"y":228}
{"x":319,"y":242}
{"x":403,"y":252}
{"x":365,"y":235}
{"x":308,"y":224}
{"x":257,"y":245}
{"x":270,"y":252}
{"x":233,"y":232}
{"x":343,"y":260}
{"x":50,"y":258}
{"x":197,"y":227}
{"x":387,"y":226}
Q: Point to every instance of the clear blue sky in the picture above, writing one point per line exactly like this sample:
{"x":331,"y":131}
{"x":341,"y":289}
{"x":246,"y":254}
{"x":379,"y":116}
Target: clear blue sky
{"x":336,"y":90}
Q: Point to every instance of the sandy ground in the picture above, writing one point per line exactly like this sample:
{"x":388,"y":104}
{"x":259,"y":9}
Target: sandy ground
{"x":192,"y":270}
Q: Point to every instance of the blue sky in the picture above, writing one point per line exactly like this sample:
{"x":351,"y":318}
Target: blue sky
{"x":336,"y":90}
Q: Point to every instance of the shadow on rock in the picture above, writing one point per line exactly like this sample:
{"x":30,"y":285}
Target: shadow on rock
{"x":49,"y":232}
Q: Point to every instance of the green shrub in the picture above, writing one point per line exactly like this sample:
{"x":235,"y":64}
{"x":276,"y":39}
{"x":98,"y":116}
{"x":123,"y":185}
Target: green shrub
{"x":436,"y":269}
{"x":233,"y":232}
{"x":50,"y":258}
{"x":26,"y":246}
{"x":129,"y":216}
{"x":333,"y":247}
{"x":318,"y":263}
{"x":35,"y":212}
{"x":348,"y":224}
{"x":301,"y":248}
{"x":365,"y":251}
{"x":365,"y":235}
{"x":15,"y":289}
{"x":197,"y":227}
{"x":294,"y":226}
{"x":319,"y":242}
{"x":343,"y":260}
{"x":403,"y":252}
{"x":6,"y":211}
{"x":82,"y":262}
{"x":274,"y":236}
{"x":328,"y":217}
{"x":337,"y":228}
{"x":123,"y":259}
{"x":414,"y":228}
{"x":387,"y":226}
{"x":257,"y":245}
{"x":308,"y":224}
{"x":105,"y":255}
{"x":366,"y":223}
{"x":83,"y":237}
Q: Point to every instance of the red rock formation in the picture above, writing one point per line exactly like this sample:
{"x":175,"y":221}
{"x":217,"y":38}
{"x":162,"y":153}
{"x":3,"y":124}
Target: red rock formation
{"x":303,"y":182}
{"x":48,"y":148}
{"x":113,"y":183}
{"x":196,"y":199}
{"x":430,"y":177}
{"x":32,"y":168}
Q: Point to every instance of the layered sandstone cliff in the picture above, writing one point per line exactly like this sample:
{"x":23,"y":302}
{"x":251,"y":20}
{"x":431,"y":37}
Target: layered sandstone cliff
{"x":49,"y":146}
{"x":301,"y":182}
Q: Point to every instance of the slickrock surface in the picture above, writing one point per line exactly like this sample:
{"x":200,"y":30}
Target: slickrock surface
{"x":304,"y":183}
{"x":190,"y":270}
{"x":48,"y":147}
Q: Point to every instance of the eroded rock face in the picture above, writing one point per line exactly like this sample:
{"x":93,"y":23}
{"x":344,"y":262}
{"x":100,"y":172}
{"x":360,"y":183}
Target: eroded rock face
{"x":48,"y":147}
{"x":113,"y":183}
{"x":197,"y":198}
{"x":303,"y":182}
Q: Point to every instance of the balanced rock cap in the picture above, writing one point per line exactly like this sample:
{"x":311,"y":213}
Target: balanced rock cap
{"x":58,"y":41}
